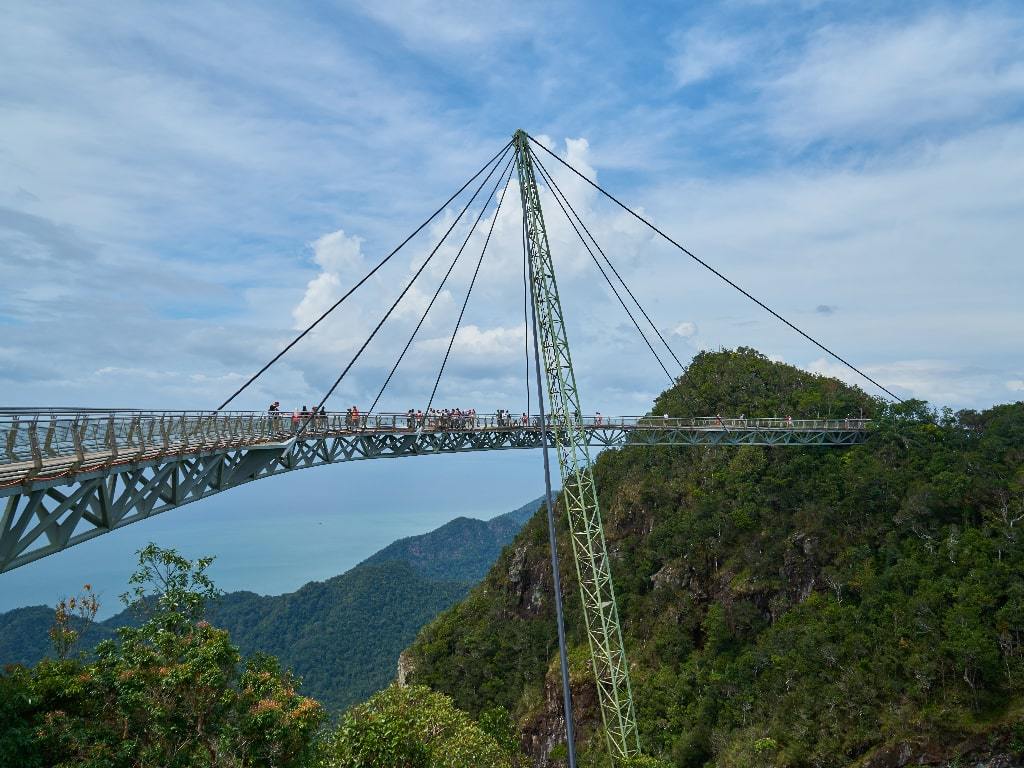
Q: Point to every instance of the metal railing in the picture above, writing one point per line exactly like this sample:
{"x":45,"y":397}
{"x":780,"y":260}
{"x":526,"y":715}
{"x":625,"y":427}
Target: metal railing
{"x":28,"y":435}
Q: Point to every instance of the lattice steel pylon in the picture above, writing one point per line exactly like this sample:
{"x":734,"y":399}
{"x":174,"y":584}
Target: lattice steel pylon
{"x":601,"y":614}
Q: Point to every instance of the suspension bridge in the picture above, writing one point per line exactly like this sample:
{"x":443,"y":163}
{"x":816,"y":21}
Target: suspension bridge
{"x":68,"y":475}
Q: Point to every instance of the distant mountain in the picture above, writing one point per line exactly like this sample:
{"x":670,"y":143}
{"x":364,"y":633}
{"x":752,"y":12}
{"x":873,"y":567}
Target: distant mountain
{"x":463,"y":549}
{"x":24,"y":638}
{"x":343,"y":635}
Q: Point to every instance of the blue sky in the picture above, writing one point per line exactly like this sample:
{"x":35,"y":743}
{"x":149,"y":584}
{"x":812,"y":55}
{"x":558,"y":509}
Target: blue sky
{"x":182,"y":185}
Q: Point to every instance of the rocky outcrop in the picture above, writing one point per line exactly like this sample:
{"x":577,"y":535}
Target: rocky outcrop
{"x":529,"y":582}
{"x":406,"y":668}
{"x":1003,"y":747}
{"x":543,"y":732}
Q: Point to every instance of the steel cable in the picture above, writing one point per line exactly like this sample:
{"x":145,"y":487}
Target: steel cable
{"x":483,"y":251}
{"x":549,"y":498}
{"x":604,"y":274}
{"x":405,"y":290}
{"x":608,"y":261}
{"x":438,"y":291}
{"x":370,"y":274}
{"x":714,"y":271}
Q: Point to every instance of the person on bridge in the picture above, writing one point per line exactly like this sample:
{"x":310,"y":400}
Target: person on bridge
{"x":597,"y":419}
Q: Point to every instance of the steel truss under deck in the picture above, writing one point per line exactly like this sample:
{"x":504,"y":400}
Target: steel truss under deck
{"x":67,"y":478}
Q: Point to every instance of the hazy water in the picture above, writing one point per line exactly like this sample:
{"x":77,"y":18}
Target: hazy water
{"x":275,"y":535}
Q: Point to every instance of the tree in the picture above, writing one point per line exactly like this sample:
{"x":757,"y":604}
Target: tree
{"x":171,"y":693}
{"x":414,"y":727}
{"x":79,"y":610}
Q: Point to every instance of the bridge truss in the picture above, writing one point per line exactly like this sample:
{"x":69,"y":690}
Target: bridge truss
{"x":66,"y":478}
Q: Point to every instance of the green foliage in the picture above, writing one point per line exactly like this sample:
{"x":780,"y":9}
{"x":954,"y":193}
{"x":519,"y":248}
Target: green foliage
{"x":71,"y":617}
{"x":171,"y":693}
{"x":798,"y":606}
{"x":170,"y":587}
{"x":343,"y":635}
{"x":644,"y":761}
{"x":415,"y":727}
{"x":745,"y":382}
{"x":498,"y":724}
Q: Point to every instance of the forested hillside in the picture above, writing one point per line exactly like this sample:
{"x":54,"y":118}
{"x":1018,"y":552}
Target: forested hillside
{"x":461,"y":550}
{"x":174,"y":691}
{"x":788,"y":606}
{"x":342,"y":636}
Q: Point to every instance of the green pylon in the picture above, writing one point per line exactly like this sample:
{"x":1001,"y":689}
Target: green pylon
{"x":597,"y":593}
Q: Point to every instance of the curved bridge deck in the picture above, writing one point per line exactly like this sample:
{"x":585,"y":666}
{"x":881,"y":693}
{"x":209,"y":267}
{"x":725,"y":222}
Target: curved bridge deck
{"x":68,"y":476}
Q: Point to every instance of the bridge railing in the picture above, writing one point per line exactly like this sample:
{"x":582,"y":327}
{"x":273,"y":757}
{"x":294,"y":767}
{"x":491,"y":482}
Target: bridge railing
{"x":28,"y":435}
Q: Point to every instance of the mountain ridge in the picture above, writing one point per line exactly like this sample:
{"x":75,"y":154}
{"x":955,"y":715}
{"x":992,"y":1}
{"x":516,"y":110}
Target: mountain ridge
{"x":861,"y":606}
{"x":342,"y":635}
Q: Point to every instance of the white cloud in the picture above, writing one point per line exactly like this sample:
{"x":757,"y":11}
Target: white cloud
{"x":481,"y":344}
{"x":685,"y":330}
{"x":940,"y":382}
{"x":1015,"y":385}
{"x":340,"y":257}
{"x":453,"y":23}
{"x":702,"y":54}
{"x":884,"y":78}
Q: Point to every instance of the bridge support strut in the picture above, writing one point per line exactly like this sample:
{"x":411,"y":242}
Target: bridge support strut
{"x":604,"y":633}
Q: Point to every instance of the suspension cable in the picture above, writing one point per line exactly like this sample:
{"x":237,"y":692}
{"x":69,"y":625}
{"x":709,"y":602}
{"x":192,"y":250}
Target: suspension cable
{"x":483,"y":251}
{"x":608,"y":261}
{"x":714,"y":271}
{"x":368,"y":275}
{"x":604,"y":274}
{"x":437,"y":293}
{"x":405,"y":290}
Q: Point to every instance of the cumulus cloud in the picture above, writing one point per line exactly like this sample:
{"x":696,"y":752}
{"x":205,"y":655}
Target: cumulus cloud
{"x":685,"y":330}
{"x":339,"y":257}
{"x":482,"y":344}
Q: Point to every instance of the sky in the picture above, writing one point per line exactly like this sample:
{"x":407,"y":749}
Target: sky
{"x":183,"y":187}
